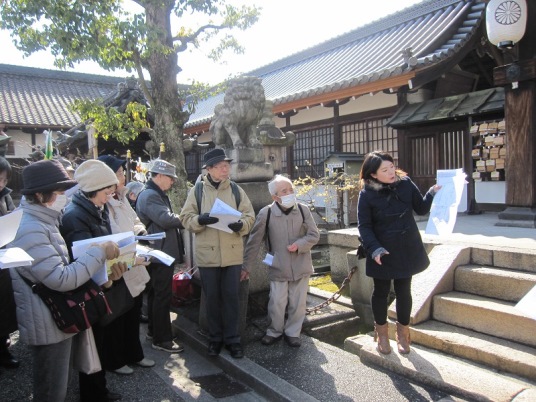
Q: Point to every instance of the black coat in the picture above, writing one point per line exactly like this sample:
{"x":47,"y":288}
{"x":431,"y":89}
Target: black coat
{"x":385,"y":219}
{"x":83,"y":220}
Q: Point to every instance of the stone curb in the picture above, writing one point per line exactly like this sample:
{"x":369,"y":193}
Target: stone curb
{"x":251,"y":374}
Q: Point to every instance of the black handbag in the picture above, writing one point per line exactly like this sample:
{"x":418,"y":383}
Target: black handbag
{"x":75,"y":310}
{"x":119,"y":299}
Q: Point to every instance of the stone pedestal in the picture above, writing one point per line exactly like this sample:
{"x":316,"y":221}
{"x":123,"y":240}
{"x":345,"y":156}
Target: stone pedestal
{"x":248,"y":165}
{"x":520,"y":217}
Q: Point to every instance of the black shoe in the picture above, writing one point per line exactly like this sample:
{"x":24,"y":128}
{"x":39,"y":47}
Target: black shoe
{"x":214,"y":348}
{"x":8,"y":361}
{"x":236,"y":350}
{"x":293,"y":341}
{"x":113,"y":396}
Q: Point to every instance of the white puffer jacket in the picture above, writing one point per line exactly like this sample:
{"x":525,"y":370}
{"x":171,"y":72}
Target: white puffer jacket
{"x":39,"y":236}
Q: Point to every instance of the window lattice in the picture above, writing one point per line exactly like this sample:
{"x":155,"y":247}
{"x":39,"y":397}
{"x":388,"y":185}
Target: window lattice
{"x":369,"y":135}
{"x":312,"y":147}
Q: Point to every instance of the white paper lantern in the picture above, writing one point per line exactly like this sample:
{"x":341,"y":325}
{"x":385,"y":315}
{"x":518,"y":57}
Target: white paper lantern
{"x":506,"y":21}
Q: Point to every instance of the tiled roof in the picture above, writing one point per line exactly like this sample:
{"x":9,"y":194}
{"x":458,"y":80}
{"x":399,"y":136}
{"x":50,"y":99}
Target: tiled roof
{"x":435,"y":30}
{"x":34,"y":97}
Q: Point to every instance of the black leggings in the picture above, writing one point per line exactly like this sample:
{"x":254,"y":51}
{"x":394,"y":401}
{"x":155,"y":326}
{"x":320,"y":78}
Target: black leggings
{"x":380,"y":295}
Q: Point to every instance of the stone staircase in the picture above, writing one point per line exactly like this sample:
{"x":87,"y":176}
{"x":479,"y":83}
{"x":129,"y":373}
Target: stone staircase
{"x":467,"y":337}
{"x":477,"y":321}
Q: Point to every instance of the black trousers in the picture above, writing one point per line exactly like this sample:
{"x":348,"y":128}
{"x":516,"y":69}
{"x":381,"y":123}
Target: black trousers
{"x":221,"y":286}
{"x":380,"y":296}
{"x":159,"y":301}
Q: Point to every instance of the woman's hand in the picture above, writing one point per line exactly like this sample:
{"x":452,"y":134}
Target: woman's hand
{"x":111,"y":250}
{"x":117,"y":271}
{"x":142,"y":261}
{"x":244,"y":275}
{"x":436,"y":188}
{"x":378,"y":258}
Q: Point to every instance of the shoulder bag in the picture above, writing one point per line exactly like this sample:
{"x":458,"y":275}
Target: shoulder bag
{"x":75,"y":310}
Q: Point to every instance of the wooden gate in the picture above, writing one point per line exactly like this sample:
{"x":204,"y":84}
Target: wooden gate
{"x":424,"y":150}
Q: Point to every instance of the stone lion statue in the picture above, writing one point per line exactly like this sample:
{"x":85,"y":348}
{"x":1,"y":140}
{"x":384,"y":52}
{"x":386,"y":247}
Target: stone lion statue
{"x":234,"y":124}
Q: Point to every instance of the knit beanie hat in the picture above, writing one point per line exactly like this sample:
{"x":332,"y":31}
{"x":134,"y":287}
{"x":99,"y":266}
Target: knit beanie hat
{"x":94,"y":175}
{"x":45,"y":176}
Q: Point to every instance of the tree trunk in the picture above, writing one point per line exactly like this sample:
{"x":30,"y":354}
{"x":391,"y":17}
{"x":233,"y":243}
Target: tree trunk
{"x":169,"y":118}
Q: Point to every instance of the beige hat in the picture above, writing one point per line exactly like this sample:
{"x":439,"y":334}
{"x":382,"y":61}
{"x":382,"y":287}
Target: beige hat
{"x":94,"y":175}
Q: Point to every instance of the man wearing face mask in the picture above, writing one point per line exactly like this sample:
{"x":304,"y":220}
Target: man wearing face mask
{"x":218,"y":253}
{"x":290,"y":232}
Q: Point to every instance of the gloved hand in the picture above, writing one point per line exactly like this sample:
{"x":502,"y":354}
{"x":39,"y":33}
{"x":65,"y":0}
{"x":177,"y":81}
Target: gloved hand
{"x":205,"y":219}
{"x":236,"y":226}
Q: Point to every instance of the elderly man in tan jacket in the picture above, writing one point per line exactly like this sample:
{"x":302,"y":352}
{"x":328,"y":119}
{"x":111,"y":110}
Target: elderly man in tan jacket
{"x":290,"y":232}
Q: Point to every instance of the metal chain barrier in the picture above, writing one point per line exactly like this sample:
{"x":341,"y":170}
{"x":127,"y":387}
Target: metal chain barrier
{"x":335,"y":296}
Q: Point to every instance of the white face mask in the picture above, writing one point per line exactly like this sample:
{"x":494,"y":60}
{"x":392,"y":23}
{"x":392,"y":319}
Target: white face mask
{"x":59,"y":203}
{"x":288,"y":200}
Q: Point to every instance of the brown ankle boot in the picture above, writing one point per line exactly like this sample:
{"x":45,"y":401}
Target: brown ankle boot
{"x":403,"y":339}
{"x":381,"y":335}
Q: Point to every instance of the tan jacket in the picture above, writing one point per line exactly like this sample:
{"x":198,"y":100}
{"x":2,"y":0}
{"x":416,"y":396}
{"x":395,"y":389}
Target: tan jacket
{"x":213,"y":247}
{"x":284,"y":230}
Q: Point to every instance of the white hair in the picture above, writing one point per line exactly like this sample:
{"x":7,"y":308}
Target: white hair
{"x":272,"y":186}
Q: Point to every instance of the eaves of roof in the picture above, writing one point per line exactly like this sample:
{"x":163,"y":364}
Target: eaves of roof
{"x":34,"y":97}
{"x":474,"y":103}
{"x":366,"y":60}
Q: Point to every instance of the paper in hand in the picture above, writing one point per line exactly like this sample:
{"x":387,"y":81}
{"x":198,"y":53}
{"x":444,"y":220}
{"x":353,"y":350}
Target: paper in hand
{"x":225,"y":214}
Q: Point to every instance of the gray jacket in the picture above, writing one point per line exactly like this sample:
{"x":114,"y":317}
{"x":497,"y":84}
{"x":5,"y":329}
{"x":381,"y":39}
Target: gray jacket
{"x":284,"y":230}
{"x":39,"y":236}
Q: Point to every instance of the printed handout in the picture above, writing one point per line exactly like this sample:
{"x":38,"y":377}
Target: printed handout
{"x":445,"y":205}
{"x":225,"y":214}
{"x":14,"y":256}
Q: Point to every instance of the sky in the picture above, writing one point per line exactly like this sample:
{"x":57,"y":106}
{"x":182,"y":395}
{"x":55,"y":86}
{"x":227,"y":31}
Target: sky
{"x":285,"y":27}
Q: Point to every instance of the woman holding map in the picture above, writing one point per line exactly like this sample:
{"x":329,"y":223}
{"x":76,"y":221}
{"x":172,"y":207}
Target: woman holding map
{"x":395,"y":251}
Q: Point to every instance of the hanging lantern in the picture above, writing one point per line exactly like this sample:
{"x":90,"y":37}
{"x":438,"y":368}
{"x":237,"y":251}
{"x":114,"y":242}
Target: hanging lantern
{"x":506,"y":21}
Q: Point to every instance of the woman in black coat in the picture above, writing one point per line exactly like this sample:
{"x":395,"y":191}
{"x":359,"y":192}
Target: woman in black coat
{"x":394,"y":247}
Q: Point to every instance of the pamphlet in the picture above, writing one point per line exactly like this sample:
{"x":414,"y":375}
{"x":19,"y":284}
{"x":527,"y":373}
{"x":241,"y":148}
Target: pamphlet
{"x":225,"y":214}
{"x":14,"y":256}
{"x":153,"y":236}
{"x":445,"y":204}
{"x":268,"y":260}
{"x":127,"y":248}
{"x":143,"y":251}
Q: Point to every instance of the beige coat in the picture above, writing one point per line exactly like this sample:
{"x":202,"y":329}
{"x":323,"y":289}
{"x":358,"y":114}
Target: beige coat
{"x":284,"y":230}
{"x":213,"y":247}
{"x":122,"y":217}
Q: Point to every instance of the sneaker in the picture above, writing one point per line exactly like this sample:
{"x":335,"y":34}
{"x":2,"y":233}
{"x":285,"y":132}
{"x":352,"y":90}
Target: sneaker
{"x":169,"y":346}
{"x":146,"y":362}
{"x":125,"y":370}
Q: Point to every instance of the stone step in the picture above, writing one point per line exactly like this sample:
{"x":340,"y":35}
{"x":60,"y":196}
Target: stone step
{"x":489,"y":316}
{"x":454,"y":375}
{"x":519,"y":260}
{"x":316,"y":254}
{"x":498,"y":283}
{"x":319,"y":269}
{"x":497,"y":353}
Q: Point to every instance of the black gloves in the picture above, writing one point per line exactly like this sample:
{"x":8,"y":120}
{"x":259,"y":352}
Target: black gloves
{"x":205,"y":219}
{"x":236,"y":226}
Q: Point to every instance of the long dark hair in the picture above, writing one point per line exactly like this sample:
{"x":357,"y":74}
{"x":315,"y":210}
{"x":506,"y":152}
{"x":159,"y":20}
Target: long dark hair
{"x":372,"y":163}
